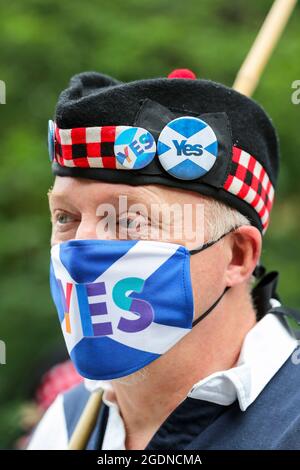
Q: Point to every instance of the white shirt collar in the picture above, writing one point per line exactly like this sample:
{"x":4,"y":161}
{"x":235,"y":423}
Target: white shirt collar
{"x":265,"y":349}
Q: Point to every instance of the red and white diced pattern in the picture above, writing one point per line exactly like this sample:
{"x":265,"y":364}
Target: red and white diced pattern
{"x":250,"y":182}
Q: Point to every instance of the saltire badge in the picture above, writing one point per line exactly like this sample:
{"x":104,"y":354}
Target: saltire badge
{"x":134,"y":148}
{"x":187,"y":148}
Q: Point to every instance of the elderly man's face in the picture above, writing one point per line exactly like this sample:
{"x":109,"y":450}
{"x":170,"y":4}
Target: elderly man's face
{"x":79,"y":211}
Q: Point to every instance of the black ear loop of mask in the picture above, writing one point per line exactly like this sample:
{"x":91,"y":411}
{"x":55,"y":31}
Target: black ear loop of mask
{"x":198,"y":250}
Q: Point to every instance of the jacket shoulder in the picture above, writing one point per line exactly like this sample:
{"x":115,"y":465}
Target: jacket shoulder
{"x":74,"y":401}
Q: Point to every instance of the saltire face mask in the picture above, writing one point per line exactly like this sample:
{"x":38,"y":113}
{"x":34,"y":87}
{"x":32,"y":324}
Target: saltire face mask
{"x":121,"y":304}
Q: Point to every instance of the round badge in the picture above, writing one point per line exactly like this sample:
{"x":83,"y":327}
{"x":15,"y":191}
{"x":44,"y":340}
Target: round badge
{"x":51,"y":139}
{"x":187,"y":148}
{"x":134,"y":148}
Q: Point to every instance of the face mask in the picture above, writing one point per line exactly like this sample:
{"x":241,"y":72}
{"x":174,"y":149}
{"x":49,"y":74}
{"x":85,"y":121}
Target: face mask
{"x":121,"y":304}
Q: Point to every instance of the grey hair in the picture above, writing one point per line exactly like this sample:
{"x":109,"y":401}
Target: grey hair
{"x":135,"y":378}
{"x":220,"y":218}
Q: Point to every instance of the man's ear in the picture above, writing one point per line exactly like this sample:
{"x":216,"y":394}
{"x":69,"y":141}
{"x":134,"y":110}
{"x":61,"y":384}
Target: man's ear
{"x":245,"y":249}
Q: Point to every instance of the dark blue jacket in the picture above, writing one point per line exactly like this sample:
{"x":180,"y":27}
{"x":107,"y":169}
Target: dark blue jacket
{"x":272,"y":421}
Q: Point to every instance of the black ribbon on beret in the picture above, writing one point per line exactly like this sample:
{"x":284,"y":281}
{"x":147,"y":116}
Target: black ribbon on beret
{"x":153,"y":117}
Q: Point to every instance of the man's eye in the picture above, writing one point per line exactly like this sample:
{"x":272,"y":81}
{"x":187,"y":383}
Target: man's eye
{"x":127,"y":223}
{"x":63,"y":218}
{"x":134,"y":223}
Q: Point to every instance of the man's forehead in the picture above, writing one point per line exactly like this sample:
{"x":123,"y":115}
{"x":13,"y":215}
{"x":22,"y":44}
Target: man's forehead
{"x":72,"y":189}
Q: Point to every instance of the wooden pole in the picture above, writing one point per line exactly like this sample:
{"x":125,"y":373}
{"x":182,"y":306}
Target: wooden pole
{"x":259,"y":54}
{"x":86,"y":423}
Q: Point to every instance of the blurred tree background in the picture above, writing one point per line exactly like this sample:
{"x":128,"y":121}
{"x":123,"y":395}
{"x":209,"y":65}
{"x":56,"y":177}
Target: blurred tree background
{"x":43,"y":43}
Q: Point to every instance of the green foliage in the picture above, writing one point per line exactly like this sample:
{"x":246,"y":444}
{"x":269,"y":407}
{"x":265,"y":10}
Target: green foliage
{"x":43,"y":43}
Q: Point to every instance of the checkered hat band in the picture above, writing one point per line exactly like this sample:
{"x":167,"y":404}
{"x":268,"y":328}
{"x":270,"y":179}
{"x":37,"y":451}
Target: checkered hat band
{"x":87,"y":147}
{"x":249,"y":181}
{"x":93,"y":147}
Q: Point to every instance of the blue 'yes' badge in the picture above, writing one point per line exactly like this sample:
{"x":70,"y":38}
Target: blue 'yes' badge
{"x":134,"y":148}
{"x":51,"y":140}
{"x":187,"y":148}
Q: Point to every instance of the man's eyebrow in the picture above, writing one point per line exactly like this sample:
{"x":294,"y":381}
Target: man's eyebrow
{"x":55,"y":195}
{"x":133,"y":199}
{"x":58,"y":197}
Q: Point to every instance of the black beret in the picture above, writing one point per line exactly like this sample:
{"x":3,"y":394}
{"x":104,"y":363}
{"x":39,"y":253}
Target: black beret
{"x":244,"y":174}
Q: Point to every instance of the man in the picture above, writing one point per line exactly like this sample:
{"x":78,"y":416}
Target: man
{"x":166,"y":323}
